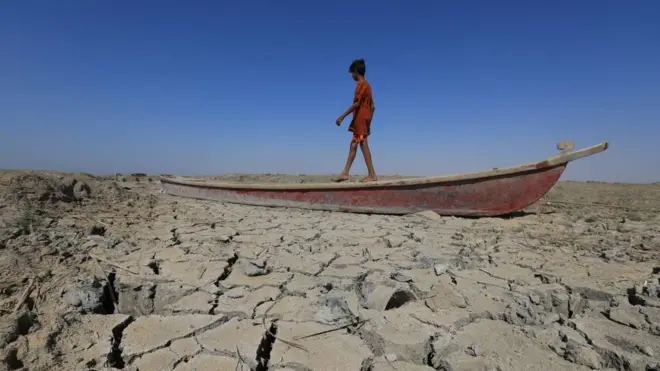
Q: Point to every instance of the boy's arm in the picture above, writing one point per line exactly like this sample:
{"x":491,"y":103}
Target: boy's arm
{"x":350,"y":109}
{"x":359,"y":97}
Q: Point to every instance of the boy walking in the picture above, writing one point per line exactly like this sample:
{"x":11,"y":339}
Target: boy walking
{"x":363,"y":109}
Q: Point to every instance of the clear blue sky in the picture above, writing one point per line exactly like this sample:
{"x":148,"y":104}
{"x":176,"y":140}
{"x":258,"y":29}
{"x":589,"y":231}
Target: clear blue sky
{"x":207,"y":87}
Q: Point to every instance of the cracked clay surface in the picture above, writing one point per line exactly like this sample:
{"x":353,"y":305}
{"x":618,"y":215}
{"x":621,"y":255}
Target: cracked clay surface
{"x":109,"y":273}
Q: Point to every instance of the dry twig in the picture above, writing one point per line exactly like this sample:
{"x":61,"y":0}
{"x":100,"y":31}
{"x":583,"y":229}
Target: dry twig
{"x":524,"y":231}
{"x":240,"y":360}
{"x":82,"y":217}
{"x":355,"y":323}
{"x":287,"y":342}
{"x":146,"y":277}
{"x":25,"y":295}
{"x":100,"y":259}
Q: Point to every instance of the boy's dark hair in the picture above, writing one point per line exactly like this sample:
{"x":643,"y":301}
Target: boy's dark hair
{"x":358,"y":67}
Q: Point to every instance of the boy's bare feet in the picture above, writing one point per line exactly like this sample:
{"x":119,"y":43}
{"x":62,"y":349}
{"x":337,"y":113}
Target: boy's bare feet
{"x":369,"y":179}
{"x":341,"y":178}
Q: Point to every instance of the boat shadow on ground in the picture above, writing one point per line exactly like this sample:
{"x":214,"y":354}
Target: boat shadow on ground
{"x":511,"y":215}
{"x":520,"y":214}
{"x":515,"y":214}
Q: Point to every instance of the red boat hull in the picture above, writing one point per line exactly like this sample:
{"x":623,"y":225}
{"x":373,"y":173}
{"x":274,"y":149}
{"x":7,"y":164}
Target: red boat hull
{"x":490,"y":196}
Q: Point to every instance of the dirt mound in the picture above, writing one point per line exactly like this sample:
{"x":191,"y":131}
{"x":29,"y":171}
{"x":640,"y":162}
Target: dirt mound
{"x":47,"y":188}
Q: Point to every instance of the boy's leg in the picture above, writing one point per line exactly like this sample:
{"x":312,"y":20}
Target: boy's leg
{"x":364,"y":146}
{"x":349,"y":162}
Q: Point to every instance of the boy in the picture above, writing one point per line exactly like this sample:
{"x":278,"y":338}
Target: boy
{"x":363,"y":109}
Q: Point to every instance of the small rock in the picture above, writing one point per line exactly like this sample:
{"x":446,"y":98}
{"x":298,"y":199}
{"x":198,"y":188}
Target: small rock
{"x":627,"y":316}
{"x":326,"y":287}
{"x":66,"y":222}
{"x":582,"y":355}
{"x":81,"y":190}
{"x":400,"y":277}
{"x":651,"y":288}
{"x":423,"y":260}
{"x":560,"y":302}
{"x":96,"y":230}
{"x":429,"y":214}
{"x":576,"y":304}
{"x":65,"y":190}
{"x":551,"y":318}
{"x":567,"y":334}
{"x":546,"y":278}
{"x":333,"y":310}
{"x":419,"y":236}
{"x":86,"y":296}
{"x":256,"y":268}
{"x":443,"y":297}
{"x":646,"y":350}
{"x":394,"y":241}
{"x":47,"y":222}
{"x":474,"y":350}
{"x":439,"y":269}
{"x":558,"y":347}
{"x":442,"y":343}
{"x":235,"y":293}
{"x":390,"y":357}
{"x":534,"y":298}
{"x":96,"y":240}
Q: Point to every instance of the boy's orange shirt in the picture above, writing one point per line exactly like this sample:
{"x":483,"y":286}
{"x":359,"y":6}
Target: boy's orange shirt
{"x":361,"y":124}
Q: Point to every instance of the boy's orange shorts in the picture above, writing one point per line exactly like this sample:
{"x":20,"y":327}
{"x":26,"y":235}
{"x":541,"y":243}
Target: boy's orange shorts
{"x":358,"y":138}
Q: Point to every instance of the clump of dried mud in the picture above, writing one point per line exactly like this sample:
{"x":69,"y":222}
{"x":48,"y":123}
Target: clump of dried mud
{"x":107,"y":272}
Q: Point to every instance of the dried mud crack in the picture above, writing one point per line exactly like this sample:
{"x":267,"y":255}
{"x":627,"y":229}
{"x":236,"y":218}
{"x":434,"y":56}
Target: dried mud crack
{"x":265,"y":348}
{"x":115,"y":358}
{"x":110,"y":294}
{"x":227,"y":271}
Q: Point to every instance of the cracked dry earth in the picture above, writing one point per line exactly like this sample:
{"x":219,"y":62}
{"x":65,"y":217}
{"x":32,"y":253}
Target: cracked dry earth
{"x":109,"y":273}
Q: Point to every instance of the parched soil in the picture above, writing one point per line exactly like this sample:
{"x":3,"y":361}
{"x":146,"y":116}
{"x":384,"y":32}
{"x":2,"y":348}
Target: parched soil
{"x":110,"y":273}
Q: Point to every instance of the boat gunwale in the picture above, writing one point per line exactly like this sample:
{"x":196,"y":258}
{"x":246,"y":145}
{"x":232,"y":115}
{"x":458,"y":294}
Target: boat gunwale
{"x":551,"y":162}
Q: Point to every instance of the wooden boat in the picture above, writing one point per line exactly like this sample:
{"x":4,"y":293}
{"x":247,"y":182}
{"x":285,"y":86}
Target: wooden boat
{"x":487,"y":193}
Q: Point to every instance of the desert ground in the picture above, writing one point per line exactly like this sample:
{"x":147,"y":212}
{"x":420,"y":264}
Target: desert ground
{"x":103,"y":273}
